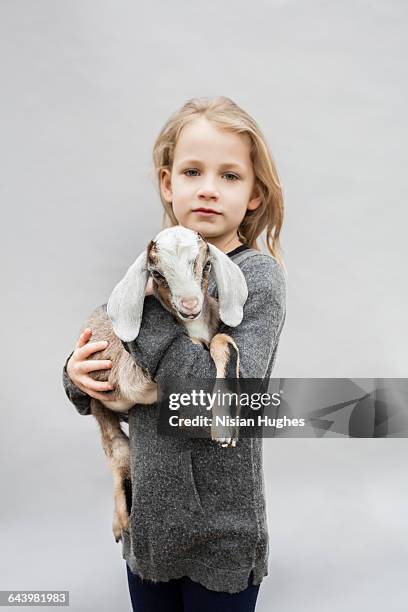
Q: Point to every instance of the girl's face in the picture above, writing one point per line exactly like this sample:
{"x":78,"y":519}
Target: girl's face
{"x":211,"y":185}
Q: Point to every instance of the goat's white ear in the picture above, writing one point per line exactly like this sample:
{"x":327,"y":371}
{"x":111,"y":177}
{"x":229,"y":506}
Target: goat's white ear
{"x":232,"y":287}
{"x":125,"y":305}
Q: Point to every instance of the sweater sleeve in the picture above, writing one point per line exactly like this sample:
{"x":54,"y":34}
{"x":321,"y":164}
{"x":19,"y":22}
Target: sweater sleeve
{"x":165,"y":350}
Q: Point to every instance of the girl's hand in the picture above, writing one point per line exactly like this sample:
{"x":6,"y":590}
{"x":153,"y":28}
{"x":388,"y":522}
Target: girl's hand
{"x":78,"y":366}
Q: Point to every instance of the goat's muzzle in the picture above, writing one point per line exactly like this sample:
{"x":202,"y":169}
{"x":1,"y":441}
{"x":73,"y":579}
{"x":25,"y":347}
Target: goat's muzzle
{"x":190,"y":305}
{"x":188,"y":315}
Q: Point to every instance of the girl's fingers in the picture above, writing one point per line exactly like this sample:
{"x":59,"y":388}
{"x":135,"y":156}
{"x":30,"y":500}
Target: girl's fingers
{"x":84,"y":337}
{"x":91,"y":347}
{"x":83,"y":365}
{"x":89,"y":384}
{"x":89,"y":365}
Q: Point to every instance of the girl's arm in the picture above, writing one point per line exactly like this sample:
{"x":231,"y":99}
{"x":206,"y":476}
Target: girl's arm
{"x":164,"y":349}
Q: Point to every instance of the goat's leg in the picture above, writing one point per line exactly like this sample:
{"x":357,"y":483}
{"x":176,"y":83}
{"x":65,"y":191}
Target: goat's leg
{"x":225,"y":355}
{"x":121,"y":510}
{"x":115,"y":444}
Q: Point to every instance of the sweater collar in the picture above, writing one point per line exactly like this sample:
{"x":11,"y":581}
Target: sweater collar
{"x":242,"y":247}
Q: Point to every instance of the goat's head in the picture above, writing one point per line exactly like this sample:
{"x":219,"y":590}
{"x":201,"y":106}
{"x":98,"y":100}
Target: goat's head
{"x":179,"y":260}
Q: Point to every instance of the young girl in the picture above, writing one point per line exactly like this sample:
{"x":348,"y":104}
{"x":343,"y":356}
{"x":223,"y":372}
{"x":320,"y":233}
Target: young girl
{"x":198,"y":537}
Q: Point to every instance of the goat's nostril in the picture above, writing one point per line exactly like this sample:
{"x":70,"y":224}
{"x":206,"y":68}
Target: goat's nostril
{"x":189,"y":303}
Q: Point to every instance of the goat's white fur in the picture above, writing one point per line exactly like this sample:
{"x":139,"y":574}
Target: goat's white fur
{"x":125,"y":305}
{"x":232,"y":287}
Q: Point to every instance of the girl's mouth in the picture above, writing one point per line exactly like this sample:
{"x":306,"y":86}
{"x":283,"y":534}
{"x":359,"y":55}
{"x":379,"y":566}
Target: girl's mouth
{"x":206,"y":211}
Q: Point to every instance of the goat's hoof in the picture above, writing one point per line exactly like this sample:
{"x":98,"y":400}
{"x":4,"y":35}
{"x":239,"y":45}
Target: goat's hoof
{"x":120,"y":523}
{"x":116,"y":528}
{"x":117,"y":531}
{"x":225,"y":436}
{"x":226,"y":442}
{"x":118,"y":536}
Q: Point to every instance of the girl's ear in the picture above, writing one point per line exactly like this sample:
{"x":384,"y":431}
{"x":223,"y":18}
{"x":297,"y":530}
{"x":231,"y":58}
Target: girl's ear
{"x":256,"y":199}
{"x":254,"y":203}
{"x":165,"y":185}
{"x":232,"y":287}
{"x":125,"y":305}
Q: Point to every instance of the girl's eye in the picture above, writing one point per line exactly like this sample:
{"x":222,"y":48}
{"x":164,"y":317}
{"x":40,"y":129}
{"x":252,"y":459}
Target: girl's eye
{"x":230,"y":174}
{"x":156,"y":275}
{"x":207,"y":266}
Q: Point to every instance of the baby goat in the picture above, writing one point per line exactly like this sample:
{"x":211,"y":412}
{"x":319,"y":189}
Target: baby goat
{"x":179,"y":261}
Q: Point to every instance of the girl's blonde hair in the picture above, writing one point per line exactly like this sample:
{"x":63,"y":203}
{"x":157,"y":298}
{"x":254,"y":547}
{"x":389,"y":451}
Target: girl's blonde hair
{"x":224,"y":113}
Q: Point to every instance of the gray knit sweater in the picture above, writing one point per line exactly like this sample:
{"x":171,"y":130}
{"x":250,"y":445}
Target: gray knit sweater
{"x":198,"y":509}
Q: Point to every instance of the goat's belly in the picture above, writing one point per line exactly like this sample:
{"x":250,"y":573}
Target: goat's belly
{"x":131,"y":396}
{"x":118,"y":405}
{"x":139,"y":395}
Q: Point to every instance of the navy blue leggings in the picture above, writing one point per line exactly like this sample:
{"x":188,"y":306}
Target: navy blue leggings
{"x":185,"y":595}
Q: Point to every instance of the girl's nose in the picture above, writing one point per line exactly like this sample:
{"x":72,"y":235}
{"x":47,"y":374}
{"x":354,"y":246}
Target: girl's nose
{"x":208,"y":192}
{"x":189,"y":303}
